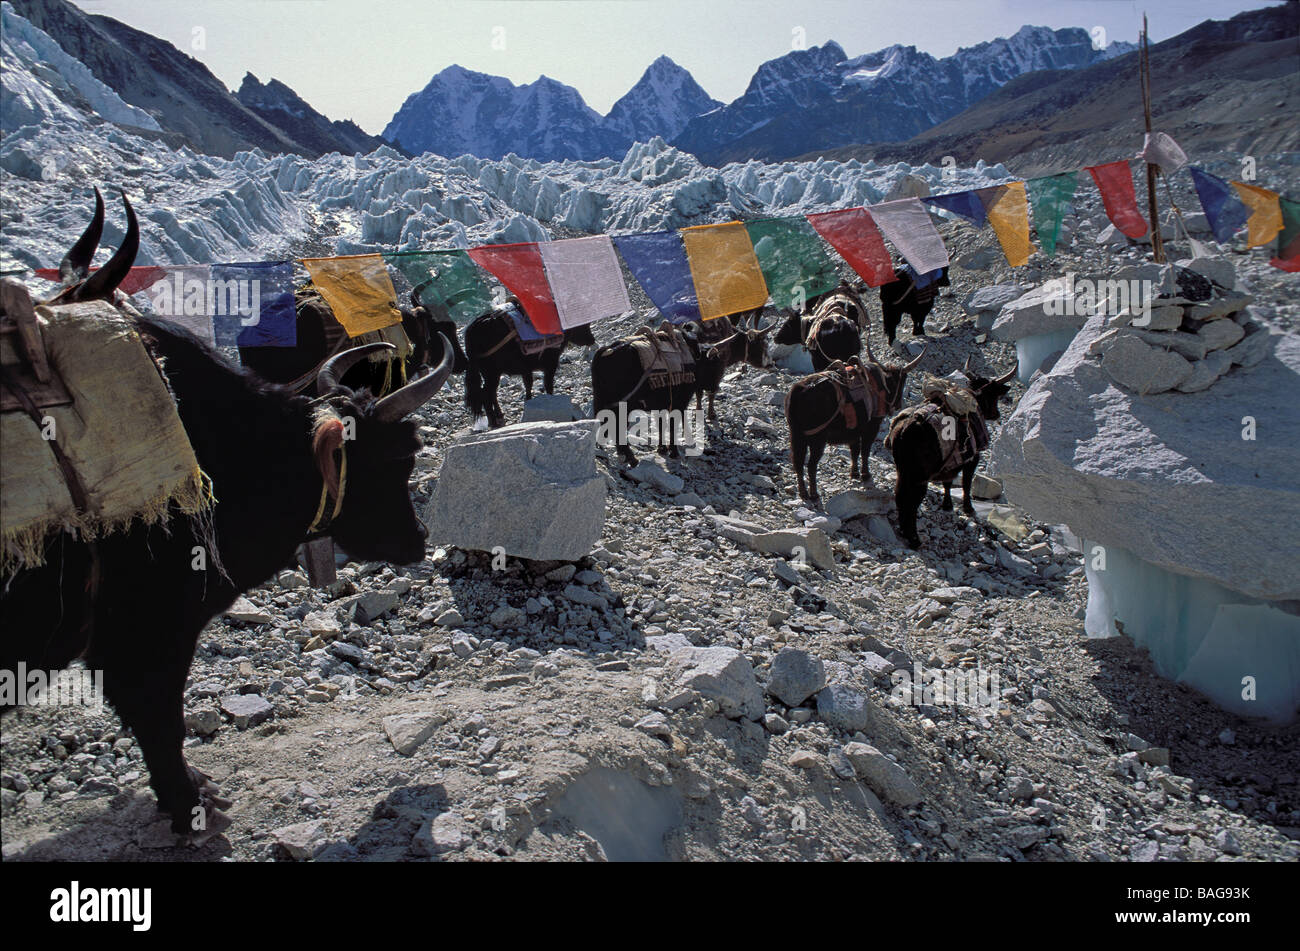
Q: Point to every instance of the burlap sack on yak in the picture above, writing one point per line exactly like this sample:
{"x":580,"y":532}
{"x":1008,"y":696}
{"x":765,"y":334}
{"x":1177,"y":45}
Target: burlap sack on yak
{"x":122,"y":433}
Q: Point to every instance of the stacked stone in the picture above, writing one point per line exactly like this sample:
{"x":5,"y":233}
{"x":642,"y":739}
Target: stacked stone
{"x":1197,"y":329}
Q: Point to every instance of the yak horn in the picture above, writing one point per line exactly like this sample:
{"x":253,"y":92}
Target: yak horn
{"x":870,"y":356}
{"x":709,"y":348}
{"x":76,"y":263}
{"x":1010,"y":373}
{"x":912,"y":366}
{"x":102,"y":284}
{"x":415,"y":292}
{"x":328,"y":376}
{"x":419,"y":391}
{"x":965,"y":367}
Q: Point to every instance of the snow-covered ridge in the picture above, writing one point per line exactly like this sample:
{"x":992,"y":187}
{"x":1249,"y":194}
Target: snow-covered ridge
{"x":41,"y":81}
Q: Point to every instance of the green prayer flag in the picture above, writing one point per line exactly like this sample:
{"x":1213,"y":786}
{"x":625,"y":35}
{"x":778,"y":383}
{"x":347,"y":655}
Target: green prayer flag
{"x":794,"y":262}
{"x":447,"y":281}
{"x":1049,"y":198}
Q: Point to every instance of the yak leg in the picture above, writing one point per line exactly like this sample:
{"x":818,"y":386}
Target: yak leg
{"x":967,"y":477}
{"x":855,"y":449}
{"x":918,"y":325}
{"x":891,"y":325}
{"x":814,"y":456}
{"x":491,"y":384}
{"x":798,"y":453}
{"x":869,"y":433}
{"x":713,"y":414}
{"x":528,"y":384}
{"x":907,"y":499}
{"x":947,"y":496}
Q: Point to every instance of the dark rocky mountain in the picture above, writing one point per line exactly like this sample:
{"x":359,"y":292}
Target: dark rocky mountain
{"x":283,"y":108}
{"x":182,"y":95}
{"x":1224,"y":85}
{"x":818,"y":98}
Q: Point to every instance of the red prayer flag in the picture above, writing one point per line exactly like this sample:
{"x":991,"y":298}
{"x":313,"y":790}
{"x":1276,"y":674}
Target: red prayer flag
{"x":137,"y":279}
{"x":1115,"y":182}
{"x":856,"y":238}
{"x":519,"y":267}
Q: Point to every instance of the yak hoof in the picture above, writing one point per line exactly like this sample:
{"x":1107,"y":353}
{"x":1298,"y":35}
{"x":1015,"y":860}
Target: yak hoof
{"x":947,"y":505}
{"x":914,"y":542}
{"x":968,"y":508}
{"x":216,"y":822}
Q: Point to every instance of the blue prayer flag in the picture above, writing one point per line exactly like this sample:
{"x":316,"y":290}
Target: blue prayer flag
{"x":658,"y":261}
{"x":253,"y":304}
{"x":967,"y":204}
{"x":1224,"y":210}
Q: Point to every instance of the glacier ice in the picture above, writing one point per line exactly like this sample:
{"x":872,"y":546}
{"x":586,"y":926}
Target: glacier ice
{"x":1033,"y":350}
{"x":1218,"y":641}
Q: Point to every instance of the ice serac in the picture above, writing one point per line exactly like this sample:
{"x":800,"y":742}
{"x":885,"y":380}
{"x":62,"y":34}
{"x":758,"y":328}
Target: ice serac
{"x":1190,"y":501}
{"x":531,"y":489}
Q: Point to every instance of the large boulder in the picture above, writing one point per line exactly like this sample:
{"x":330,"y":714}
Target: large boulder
{"x":531,"y":489}
{"x":1194,"y":492}
{"x":1048,"y":308}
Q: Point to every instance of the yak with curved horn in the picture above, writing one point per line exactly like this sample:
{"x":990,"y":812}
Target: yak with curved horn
{"x":844,"y":404}
{"x":939,"y":438}
{"x":283,"y":469}
{"x":746,"y":345}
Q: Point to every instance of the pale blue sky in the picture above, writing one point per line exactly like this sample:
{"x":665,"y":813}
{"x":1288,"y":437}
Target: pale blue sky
{"x":360,"y":60}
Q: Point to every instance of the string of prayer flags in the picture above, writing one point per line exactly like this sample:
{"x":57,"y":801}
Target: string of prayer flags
{"x":1288,"y":242}
{"x":1008,"y":211}
{"x":856,"y":239}
{"x":179,"y":295}
{"x":447,"y":282}
{"x":725,"y":269}
{"x":1115,"y":182}
{"x":519,"y":267}
{"x":1265,"y":213}
{"x":358,"y":290}
{"x":1050,"y":198}
{"x":658,"y":261}
{"x":793,"y":259}
{"x":907,"y":224}
{"x":967,"y":204}
{"x":586,"y":281}
{"x":1224,"y":210}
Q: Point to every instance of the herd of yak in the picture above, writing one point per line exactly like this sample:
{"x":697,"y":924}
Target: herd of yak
{"x":271,"y":437}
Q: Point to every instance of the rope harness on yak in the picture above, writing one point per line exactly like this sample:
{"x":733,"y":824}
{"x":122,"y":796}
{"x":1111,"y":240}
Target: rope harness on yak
{"x":855,"y":385}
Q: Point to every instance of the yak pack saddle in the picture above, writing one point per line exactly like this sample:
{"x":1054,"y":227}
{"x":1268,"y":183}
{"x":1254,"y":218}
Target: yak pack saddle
{"x":666,"y":358}
{"x":952,"y":412}
{"x":859,"y":393}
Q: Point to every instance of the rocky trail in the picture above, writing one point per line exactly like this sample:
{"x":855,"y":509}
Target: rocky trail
{"x":678,"y":694}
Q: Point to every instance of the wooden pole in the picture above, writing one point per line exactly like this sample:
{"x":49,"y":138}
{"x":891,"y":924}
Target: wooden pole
{"x":1144,"y":69}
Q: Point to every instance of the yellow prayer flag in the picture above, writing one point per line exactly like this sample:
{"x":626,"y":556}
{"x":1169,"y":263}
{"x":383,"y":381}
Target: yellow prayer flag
{"x":725,"y":269}
{"x":1265,"y":213}
{"x":1008,"y":213}
{"x":358,"y":290}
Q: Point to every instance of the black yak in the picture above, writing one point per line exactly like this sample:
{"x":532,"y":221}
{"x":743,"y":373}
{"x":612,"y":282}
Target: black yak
{"x":320,"y":336}
{"x":627,"y":379}
{"x":830,"y":329}
{"x":132,"y":603}
{"x":933,"y":442}
{"x":843,"y":405}
{"x":745,"y":344}
{"x":901,"y":296}
{"x":493,"y":348}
